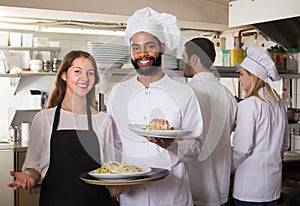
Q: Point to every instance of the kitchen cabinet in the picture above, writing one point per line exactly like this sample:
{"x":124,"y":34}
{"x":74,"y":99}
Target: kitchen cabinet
{"x":24,"y":196}
{"x":7,"y":164}
{"x":12,"y":159}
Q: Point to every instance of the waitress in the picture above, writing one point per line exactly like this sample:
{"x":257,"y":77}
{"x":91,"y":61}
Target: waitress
{"x":261,"y":135}
{"x":69,"y":138}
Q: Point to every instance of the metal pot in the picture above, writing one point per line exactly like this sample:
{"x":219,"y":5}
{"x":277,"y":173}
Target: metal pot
{"x":14,"y":132}
{"x":56,"y":64}
{"x":293,"y":115}
{"x":47,"y":65}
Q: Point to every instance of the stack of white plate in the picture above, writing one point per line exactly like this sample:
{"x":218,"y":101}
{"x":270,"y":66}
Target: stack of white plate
{"x":108,"y":55}
{"x":169,"y":60}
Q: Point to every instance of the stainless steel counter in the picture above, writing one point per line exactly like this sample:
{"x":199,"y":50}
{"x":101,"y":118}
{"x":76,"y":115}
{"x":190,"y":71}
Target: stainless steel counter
{"x":16,"y":146}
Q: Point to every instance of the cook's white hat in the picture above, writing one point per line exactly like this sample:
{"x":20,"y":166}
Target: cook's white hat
{"x":163,"y":26}
{"x":259,"y":63}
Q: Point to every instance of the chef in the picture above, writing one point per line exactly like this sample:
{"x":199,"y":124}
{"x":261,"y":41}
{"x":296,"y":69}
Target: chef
{"x":261,"y":134}
{"x":210,"y":173}
{"x":153,"y":94}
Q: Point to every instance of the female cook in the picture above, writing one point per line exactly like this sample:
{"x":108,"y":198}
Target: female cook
{"x":261,"y":134}
{"x":69,"y":138}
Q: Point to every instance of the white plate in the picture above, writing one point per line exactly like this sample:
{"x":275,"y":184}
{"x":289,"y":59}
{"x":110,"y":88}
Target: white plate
{"x":121,"y":176}
{"x":140,"y":130}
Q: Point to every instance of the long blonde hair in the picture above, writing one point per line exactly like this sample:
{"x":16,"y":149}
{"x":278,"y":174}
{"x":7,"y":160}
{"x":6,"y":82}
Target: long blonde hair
{"x":59,"y":90}
{"x":257,"y":84}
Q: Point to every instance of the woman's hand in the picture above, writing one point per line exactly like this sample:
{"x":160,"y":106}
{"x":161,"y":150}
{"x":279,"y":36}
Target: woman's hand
{"x":22,"y":180}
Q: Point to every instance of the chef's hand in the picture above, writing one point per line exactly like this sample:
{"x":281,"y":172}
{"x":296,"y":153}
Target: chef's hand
{"x":162,"y":142}
{"x":22,"y":180}
{"x":116,"y":190}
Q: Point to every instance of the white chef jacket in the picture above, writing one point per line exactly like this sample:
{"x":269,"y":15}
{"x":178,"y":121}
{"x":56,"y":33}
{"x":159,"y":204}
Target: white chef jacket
{"x":261,"y":136}
{"x":210,"y":174}
{"x":38,"y":151}
{"x":131,"y":103}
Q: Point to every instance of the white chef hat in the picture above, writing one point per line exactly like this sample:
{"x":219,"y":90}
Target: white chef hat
{"x":259,"y":63}
{"x":161,"y":25}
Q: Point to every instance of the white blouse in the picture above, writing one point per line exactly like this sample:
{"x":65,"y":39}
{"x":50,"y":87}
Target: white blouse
{"x":38,"y":151}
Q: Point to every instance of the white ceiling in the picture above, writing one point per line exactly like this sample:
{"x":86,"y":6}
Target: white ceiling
{"x":194,"y":14}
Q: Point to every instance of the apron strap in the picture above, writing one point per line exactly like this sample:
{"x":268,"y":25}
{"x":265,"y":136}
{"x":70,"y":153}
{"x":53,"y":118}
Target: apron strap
{"x":89,"y":113}
{"x":56,"y":118}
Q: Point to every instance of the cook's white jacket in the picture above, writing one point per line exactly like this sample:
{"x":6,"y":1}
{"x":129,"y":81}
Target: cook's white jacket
{"x":261,"y":136}
{"x":131,"y":103}
{"x":210,"y":174}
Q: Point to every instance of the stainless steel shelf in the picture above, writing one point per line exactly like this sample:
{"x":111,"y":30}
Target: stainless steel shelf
{"x":27,"y":74}
{"x":51,"y":49}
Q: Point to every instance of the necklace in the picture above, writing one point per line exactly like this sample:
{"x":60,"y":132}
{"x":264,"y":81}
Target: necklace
{"x":71,"y":109}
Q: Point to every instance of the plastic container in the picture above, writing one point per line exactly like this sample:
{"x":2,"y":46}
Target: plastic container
{"x":27,"y":40}
{"x":236,"y":57}
{"x":226,"y":57}
{"x":4,"y":38}
{"x":278,"y":55}
{"x":15,"y":39}
{"x":3,"y":63}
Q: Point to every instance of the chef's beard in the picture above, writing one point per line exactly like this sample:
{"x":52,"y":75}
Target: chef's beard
{"x":150,"y":70}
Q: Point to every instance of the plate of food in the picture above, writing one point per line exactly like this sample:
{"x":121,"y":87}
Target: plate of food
{"x":158,"y":128}
{"x":155,"y":175}
{"x":119,"y":170}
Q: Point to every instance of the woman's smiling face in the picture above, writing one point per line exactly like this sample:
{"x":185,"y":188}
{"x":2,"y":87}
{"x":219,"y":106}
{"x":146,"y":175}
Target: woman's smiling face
{"x":80,"y":77}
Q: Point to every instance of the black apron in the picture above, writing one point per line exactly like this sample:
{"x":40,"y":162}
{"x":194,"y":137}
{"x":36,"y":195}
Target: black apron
{"x":68,"y":160}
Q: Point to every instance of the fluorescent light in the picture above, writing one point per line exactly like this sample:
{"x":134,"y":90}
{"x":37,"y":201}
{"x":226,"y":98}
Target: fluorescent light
{"x":81,"y":31}
{"x":17,"y":26}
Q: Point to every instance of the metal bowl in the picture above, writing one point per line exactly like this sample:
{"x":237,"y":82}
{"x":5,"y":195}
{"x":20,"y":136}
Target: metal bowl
{"x":293,"y":115}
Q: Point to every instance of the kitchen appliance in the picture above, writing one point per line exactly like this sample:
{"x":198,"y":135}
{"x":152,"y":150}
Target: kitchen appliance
{"x":14,"y":132}
{"x":281,"y":23}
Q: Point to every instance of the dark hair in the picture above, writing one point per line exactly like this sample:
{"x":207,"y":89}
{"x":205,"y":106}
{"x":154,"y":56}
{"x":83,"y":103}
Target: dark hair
{"x":203,"y":48}
{"x":58,"y":92}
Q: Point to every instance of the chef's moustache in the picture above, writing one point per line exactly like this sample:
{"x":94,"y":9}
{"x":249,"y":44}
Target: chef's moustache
{"x":148,"y":70}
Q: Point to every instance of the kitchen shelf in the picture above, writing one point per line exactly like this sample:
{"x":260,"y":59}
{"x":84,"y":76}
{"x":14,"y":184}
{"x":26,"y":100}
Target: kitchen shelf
{"x":15,"y":116}
{"x":26,"y":74}
{"x":51,"y":49}
{"x":16,"y":79}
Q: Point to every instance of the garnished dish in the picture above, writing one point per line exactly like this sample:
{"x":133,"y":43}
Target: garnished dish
{"x":158,"y":128}
{"x":118,"y":168}
{"x":154,"y":175}
{"x":159,"y":124}
{"x":111,"y":170}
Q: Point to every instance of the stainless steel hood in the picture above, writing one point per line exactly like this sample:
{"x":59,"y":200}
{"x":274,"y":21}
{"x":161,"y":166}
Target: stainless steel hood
{"x":279,"y":20}
{"x":285,"y":32}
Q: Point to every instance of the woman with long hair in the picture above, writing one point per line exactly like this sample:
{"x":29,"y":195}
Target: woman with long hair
{"x":68,"y":138}
{"x":261,"y":135}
